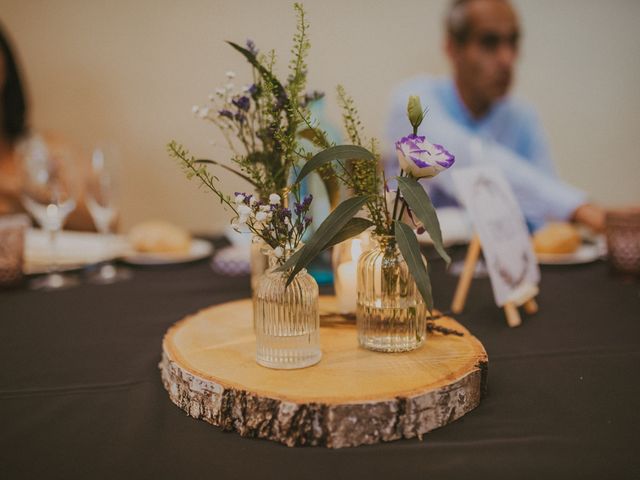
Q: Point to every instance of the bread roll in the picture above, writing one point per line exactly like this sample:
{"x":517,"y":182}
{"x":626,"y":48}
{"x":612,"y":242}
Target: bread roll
{"x":557,"y":238}
{"x":157,"y":236}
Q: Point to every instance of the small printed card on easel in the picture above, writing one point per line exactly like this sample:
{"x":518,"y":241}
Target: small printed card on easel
{"x":501,"y":233}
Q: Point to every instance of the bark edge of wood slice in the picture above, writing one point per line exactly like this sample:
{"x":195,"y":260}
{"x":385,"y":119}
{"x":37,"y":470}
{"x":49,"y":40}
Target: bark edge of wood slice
{"x":352,"y":397}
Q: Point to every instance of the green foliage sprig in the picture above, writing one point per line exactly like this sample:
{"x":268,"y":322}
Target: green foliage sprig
{"x":262,"y":125}
{"x":262,"y":122}
{"x":359,"y":169}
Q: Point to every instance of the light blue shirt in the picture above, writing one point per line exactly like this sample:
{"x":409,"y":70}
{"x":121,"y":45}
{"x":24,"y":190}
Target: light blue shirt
{"x":510,"y":136}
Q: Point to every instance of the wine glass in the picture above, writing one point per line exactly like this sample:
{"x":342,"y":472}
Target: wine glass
{"x":49,"y":194}
{"x":102,"y":191}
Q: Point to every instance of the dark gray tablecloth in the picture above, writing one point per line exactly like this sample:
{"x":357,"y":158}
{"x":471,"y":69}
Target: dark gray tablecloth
{"x":81,"y":396}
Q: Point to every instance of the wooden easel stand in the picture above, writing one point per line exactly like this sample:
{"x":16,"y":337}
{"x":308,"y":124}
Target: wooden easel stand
{"x":462,"y":290}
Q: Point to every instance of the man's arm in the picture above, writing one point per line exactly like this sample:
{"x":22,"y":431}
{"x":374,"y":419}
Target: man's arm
{"x":541,"y":196}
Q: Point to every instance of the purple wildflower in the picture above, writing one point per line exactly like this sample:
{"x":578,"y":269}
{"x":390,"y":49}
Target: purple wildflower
{"x":307,"y":200}
{"x":243,"y":103}
{"x":281,"y":101}
{"x":312,"y":97}
{"x":226,"y":113}
{"x":251,"y":46}
{"x":285,"y":213}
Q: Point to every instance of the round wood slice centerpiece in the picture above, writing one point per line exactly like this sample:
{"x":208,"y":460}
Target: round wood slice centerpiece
{"x":352,"y":397}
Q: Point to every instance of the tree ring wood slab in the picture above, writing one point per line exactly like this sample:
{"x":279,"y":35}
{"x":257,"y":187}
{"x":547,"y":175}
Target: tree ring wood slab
{"x":352,"y":397}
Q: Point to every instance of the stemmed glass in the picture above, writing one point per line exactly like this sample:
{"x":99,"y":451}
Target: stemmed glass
{"x":102,"y":190}
{"x":49,"y":194}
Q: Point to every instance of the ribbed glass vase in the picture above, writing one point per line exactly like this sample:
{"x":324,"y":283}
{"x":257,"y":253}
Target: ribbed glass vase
{"x":287,"y":320}
{"x":258,"y":261}
{"x":390,"y":314}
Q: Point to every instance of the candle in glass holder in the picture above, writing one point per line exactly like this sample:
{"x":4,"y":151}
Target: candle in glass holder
{"x":623,"y":240}
{"x":345,"y":259}
{"x":12,"y":241}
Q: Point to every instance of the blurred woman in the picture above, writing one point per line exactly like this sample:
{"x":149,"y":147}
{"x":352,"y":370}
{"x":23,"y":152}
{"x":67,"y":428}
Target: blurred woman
{"x":14,"y":131}
{"x":13,"y":127}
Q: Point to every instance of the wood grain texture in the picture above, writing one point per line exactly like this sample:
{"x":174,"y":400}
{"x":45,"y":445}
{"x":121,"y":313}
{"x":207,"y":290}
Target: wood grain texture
{"x":352,"y":397}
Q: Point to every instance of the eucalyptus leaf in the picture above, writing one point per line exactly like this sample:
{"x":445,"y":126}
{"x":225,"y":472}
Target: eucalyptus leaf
{"x":339,"y":152}
{"x":266,"y":74}
{"x":421,"y":205}
{"x":335,"y":222}
{"x":410,"y":249}
{"x":222,"y":165}
{"x":354,"y":227}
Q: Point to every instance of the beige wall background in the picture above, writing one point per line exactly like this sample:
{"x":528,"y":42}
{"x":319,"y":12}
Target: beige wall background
{"x":128,"y":72}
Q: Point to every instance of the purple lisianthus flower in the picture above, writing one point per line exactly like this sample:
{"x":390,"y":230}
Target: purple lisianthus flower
{"x":243,"y":103}
{"x":421,"y":158}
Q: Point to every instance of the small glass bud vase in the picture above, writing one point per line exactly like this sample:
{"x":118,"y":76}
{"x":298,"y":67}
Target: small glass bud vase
{"x":287,"y":320}
{"x":391,"y":314}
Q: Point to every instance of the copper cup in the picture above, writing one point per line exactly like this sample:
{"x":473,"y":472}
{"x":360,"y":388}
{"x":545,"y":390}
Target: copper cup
{"x":12,"y":240}
{"x":623,"y":240}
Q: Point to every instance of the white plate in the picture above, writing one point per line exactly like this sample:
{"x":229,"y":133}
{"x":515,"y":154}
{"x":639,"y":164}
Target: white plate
{"x":199,"y":249}
{"x":73,"y":250}
{"x":588,"y":252}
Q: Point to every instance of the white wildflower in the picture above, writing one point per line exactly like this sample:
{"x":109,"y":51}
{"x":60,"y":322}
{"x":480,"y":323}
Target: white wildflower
{"x":278,"y":251}
{"x":229,"y":86}
{"x":274,"y":199}
{"x":195,"y":109}
{"x":261,"y":216}
{"x":204,"y":111}
{"x":239,"y":199}
{"x":244,"y":210}
{"x":220,"y":92}
{"x":212,"y":97}
{"x":230,"y":74}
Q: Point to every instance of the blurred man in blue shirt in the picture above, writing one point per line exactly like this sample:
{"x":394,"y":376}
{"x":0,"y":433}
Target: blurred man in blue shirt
{"x":478,"y":122}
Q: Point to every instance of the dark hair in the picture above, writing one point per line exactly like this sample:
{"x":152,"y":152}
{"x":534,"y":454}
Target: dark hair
{"x":457,"y":20}
{"x":12,"y":97}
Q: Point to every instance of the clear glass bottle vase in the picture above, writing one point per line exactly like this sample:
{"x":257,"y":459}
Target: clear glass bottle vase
{"x":258,"y":262}
{"x":286,"y":320}
{"x":390,"y":314}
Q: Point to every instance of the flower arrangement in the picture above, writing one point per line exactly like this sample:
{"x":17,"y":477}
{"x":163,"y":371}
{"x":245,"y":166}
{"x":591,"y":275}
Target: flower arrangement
{"x":359,"y":168}
{"x":262,"y":124}
{"x":278,"y":226}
